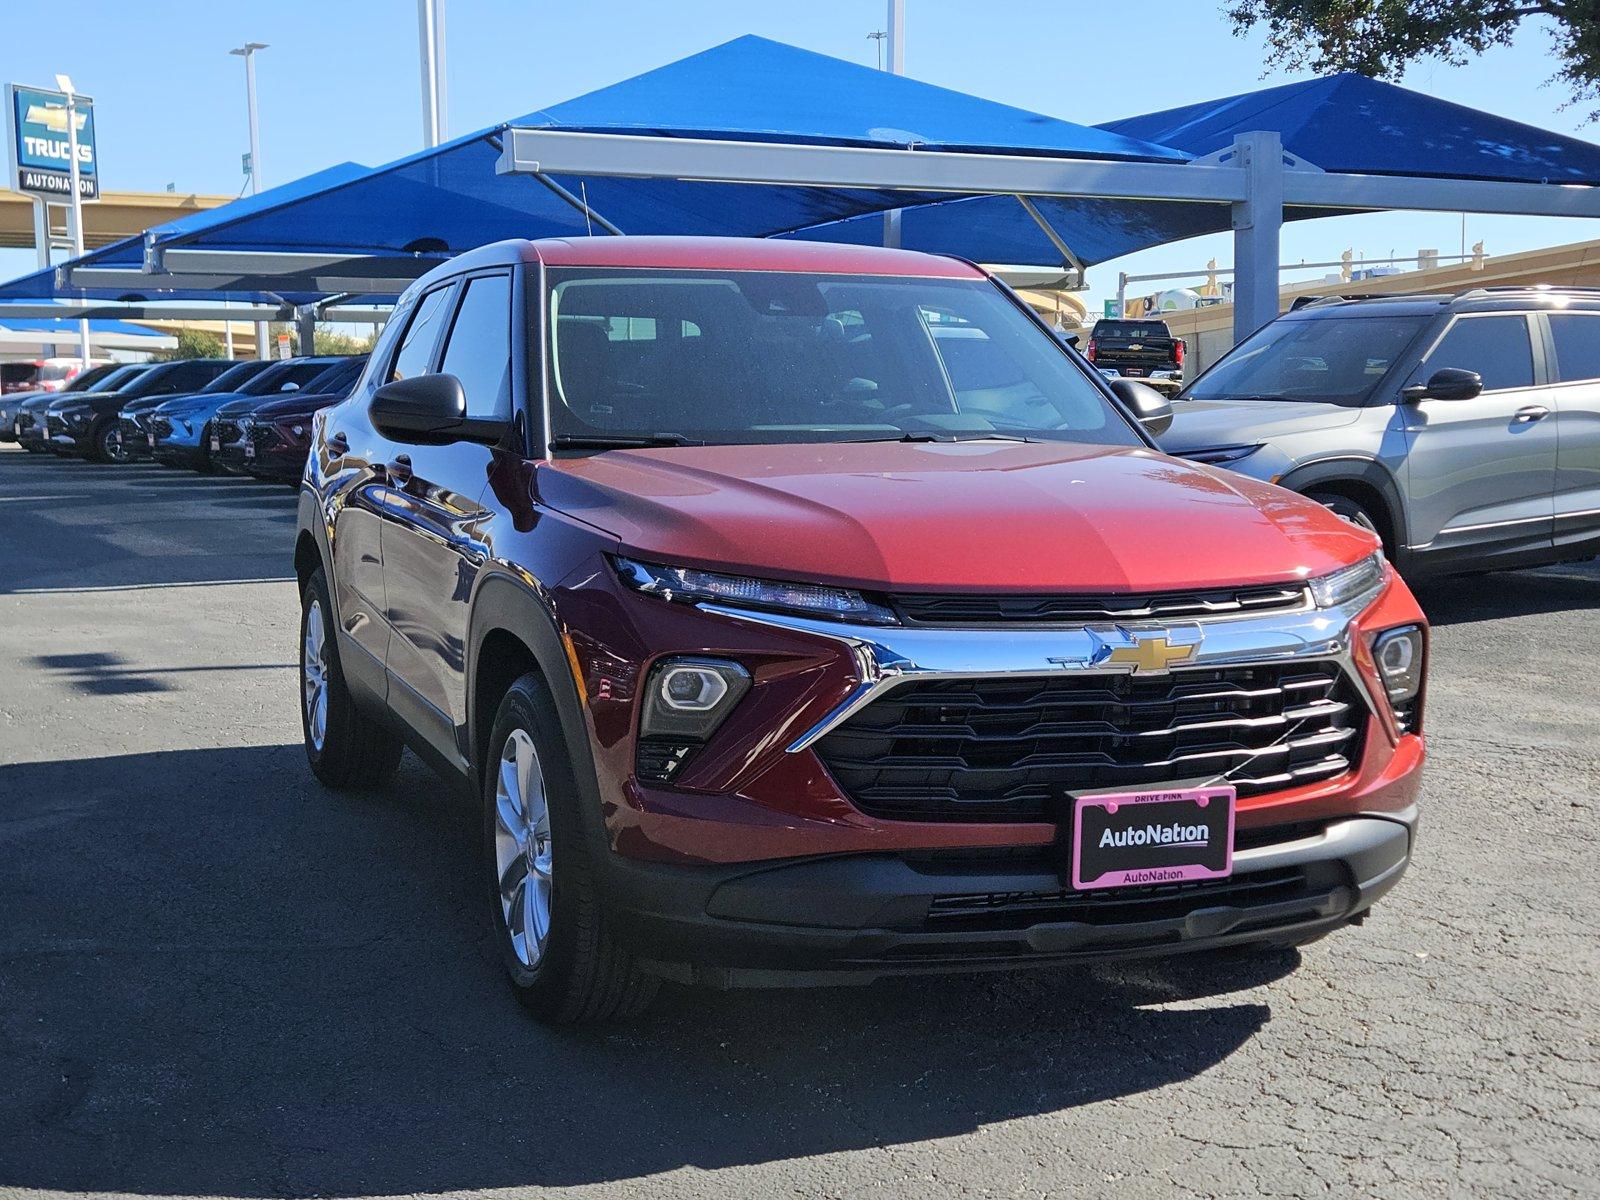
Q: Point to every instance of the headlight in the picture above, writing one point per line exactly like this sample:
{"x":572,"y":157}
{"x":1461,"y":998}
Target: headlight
{"x":1349,"y":584}
{"x":1221,"y":456}
{"x":1399,"y":655}
{"x":690,"y":586}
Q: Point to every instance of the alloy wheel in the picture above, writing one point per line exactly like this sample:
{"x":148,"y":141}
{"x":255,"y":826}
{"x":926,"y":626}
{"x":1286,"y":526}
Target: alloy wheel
{"x":522,"y":848}
{"x":314,"y":675}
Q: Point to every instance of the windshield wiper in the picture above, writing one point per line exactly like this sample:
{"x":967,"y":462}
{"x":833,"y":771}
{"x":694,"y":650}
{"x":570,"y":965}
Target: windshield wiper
{"x":969,"y":436}
{"x":620,"y":441}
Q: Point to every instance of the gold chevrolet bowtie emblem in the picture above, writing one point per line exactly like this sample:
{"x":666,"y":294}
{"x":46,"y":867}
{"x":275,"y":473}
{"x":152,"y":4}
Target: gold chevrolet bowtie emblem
{"x":1151,"y":653}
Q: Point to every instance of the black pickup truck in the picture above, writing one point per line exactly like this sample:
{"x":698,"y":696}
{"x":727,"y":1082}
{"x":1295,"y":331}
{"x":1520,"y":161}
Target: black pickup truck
{"x":1139,"y":350}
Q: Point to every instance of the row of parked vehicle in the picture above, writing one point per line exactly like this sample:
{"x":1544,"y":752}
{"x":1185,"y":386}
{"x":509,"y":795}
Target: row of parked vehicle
{"x":208,"y":414}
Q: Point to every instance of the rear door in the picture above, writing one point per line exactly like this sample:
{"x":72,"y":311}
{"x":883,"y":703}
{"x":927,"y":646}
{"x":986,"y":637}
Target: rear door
{"x":431,"y":547}
{"x":1480,"y":473}
{"x":1574,"y":351}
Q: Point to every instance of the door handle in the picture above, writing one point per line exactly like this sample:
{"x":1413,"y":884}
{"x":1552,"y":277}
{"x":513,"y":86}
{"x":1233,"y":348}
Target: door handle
{"x":339,"y":444}
{"x":400,"y":470}
{"x":1532,"y":413}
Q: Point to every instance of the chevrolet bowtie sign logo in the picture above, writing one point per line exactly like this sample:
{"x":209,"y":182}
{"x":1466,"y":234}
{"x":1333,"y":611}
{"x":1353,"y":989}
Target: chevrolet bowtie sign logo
{"x":1151,"y":653}
{"x":1146,"y":651}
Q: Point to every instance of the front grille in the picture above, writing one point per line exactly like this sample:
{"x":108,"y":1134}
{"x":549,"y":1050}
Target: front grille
{"x":1004,"y":749}
{"x":161,"y":427}
{"x":991,"y":609}
{"x":54,"y":426}
{"x":225,"y":430}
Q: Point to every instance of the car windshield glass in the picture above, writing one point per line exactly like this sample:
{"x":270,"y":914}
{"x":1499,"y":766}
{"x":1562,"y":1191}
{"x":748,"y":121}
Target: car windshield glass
{"x":290,"y":375}
{"x":232,"y":378}
{"x":1330,"y":360}
{"x":122,"y":377}
{"x":762,"y":357}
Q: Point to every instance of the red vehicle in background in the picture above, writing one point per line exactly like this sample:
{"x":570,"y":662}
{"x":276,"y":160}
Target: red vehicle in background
{"x":809,"y":613}
{"x":40,"y":375}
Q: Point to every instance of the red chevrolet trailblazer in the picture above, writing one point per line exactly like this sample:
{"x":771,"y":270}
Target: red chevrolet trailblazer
{"x":802,"y":612}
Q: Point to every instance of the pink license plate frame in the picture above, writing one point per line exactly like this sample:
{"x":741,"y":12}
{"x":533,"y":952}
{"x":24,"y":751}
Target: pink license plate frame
{"x":1158,"y":827}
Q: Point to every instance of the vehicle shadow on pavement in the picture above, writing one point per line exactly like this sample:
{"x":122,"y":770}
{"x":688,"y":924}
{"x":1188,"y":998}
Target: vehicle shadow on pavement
{"x":1463,"y":599}
{"x":217,"y":977}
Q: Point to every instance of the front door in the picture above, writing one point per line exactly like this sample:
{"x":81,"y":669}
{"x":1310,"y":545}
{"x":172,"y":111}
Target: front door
{"x":431,"y":546}
{"x":1480,"y":473}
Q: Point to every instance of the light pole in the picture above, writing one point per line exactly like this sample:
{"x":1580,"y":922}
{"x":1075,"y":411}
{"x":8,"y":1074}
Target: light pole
{"x":430,"y":44}
{"x":896,"y":36}
{"x":248,"y":53}
{"x":73,"y":174}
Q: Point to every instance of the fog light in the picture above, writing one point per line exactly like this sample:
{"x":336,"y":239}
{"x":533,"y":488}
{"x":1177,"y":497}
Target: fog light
{"x":685,"y":700}
{"x":1399,"y":655}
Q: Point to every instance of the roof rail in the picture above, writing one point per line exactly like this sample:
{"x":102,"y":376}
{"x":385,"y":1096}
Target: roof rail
{"x":1502,"y":289}
{"x":1344,"y":297}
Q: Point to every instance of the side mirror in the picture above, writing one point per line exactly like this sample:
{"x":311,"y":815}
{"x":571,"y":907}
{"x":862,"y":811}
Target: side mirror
{"x":1149,"y":407}
{"x":424,"y":406}
{"x":1447,"y":383}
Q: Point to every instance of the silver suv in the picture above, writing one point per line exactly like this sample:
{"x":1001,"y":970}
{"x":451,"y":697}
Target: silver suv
{"x":1464,"y":430}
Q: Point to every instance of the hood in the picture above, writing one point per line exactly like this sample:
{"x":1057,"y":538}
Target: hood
{"x":981,"y":516}
{"x":296,"y":405}
{"x":195,"y":402}
{"x":1201,"y":424}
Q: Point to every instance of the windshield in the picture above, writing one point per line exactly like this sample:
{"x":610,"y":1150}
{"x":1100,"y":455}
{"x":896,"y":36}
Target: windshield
{"x":1332,"y":360}
{"x":761,"y":357}
{"x":122,"y":377}
{"x":290,"y":375}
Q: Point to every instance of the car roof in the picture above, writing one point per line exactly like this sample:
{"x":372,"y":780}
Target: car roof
{"x":1485,"y":299}
{"x":708,"y":253}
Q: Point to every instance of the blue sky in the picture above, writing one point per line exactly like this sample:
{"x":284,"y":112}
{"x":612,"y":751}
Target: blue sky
{"x":340,"y":81}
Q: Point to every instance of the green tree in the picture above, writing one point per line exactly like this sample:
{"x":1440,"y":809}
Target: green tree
{"x":194,"y":343}
{"x":1381,"y":38}
{"x":330,"y":341}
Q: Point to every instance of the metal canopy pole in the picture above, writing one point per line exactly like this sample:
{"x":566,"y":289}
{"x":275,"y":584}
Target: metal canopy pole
{"x":1257,"y":224}
{"x":306,"y":319}
{"x":1068,"y":258}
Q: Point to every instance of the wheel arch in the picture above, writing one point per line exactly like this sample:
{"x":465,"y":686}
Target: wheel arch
{"x":1363,"y":480}
{"x":512,"y":631}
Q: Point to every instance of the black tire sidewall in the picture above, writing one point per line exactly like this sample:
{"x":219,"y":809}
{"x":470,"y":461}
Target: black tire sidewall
{"x":103,"y":442}
{"x":1351,"y":510}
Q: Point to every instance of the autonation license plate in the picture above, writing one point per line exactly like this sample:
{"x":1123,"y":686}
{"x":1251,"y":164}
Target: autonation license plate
{"x":1134,"y":839}
{"x":249,"y":449}
{"x":216,"y":444}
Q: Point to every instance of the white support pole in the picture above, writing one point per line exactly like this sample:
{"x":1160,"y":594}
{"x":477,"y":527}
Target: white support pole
{"x":41,"y":243}
{"x":1257,"y":224}
{"x":441,"y":90}
{"x":1122,"y":295}
{"x":75,"y":176}
{"x":895,"y":64}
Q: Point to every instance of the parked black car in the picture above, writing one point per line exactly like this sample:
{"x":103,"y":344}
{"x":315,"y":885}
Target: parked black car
{"x":270,"y":439}
{"x":84,"y":381}
{"x":87,"y":424}
{"x":1143,"y":350}
{"x":135,"y":414}
{"x":179,"y":431}
{"x":29,"y":423}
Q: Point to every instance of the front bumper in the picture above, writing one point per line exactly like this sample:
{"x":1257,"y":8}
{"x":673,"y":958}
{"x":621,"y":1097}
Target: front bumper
{"x":849,"y":919}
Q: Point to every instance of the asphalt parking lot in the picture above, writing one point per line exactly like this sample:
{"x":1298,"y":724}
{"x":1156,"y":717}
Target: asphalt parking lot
{"x":217,"y":978}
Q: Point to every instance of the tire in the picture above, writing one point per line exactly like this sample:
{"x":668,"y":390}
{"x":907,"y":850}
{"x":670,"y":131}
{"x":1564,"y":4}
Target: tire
{"x":345,"y":747}
{"x":578,"y":971}
{"x":1350,"y":510}
{"x":105,"y":446}
{"x":204,"y":464}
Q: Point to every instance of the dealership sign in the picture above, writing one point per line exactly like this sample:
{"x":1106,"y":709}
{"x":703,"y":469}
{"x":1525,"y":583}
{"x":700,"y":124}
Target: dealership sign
{"x":41,"y":155}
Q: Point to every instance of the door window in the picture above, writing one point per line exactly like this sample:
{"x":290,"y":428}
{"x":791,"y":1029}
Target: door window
{"x":1577,"y":339}
{"x":479,"y":350}
{"x":421,"y":336}
{"x":1497,"y":348}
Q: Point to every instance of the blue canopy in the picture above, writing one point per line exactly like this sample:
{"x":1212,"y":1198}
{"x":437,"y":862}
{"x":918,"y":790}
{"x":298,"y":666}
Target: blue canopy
{"x":449,"y":198}
{"x":1353,"y":124}
{"x":65,"y":329}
